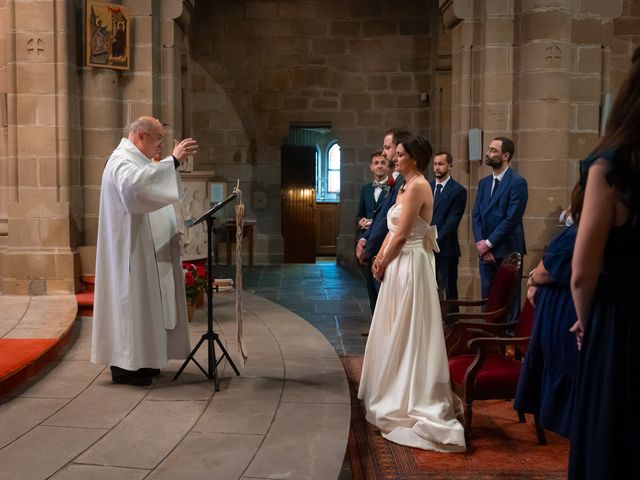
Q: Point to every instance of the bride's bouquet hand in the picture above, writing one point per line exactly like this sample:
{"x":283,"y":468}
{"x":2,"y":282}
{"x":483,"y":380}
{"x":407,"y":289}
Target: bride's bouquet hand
{"x":377,"y":269}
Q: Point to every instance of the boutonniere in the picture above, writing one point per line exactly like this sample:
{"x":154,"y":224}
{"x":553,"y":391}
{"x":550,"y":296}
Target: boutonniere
{"x":391,"y":182}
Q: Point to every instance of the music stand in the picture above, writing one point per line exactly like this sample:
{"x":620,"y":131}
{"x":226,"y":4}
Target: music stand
{"x":210,"y":336}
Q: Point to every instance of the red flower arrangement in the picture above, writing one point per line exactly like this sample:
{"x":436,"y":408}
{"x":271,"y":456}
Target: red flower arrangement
{"x":391,"y":181}
{"x":194,"y":279}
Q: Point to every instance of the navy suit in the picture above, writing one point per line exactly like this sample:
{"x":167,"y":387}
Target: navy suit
{"x":368,"y":206}
{"x":448,"y":209}
{"x":375,"y":235}
{"x":498,"y":218}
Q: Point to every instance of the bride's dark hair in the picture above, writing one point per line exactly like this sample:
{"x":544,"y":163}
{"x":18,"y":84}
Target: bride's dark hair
{"x":418,"y":148}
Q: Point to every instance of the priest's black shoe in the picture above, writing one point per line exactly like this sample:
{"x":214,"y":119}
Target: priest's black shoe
{"x":150,"y":372}
{"x":130,"y":377}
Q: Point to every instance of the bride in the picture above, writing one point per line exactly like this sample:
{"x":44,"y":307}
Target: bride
{"x":405,"y":375}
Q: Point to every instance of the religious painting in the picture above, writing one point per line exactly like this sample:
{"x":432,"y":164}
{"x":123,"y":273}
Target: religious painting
{"x":107,"y":34}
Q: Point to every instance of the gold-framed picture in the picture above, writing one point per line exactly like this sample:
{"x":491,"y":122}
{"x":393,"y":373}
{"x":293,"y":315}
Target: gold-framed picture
{"x":107,"y":35}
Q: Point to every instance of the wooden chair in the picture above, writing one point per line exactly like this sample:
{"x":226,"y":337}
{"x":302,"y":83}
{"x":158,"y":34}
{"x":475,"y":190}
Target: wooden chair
{"x":492,"y":372}
{"x":494,"y":310}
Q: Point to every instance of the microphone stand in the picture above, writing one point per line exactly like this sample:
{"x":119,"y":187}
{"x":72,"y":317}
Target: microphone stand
{"x":210,"y":336}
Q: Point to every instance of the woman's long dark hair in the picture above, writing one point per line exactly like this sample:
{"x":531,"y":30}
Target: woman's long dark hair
{"x":623,"y":135}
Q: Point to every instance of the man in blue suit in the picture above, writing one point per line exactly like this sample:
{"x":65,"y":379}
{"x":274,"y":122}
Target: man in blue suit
{"x":497,"y":214}
{"x":449,"y":202}
{"x":372,"y":194}
{"x":370,"y":243}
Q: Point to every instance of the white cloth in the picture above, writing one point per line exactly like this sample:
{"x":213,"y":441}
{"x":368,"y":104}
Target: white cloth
{"x":136,"y":323}
{"x":405,"y":381}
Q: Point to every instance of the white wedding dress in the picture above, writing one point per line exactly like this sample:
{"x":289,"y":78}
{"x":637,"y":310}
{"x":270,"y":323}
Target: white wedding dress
{"x":405,"y":375}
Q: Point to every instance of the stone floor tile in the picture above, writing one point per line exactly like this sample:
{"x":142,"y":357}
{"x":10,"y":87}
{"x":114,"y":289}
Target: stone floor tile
{"x":101,"y":405}
{"x":55,"y":447}
{"x":97,"y":472}
{"x":208,"y":456}
{"x":64,"y":379}
{"x":145,"y":436}
{"x":315,"y":380}
{"x":249,"y":405}
{"x":314,"y":437}
{"x":19,"y":415}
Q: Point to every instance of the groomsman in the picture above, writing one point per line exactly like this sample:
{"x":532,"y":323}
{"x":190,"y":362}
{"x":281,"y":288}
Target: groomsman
{"x":370,"y":243}
{"x":372,"y":194}
{"x":497,"y":214}
{"x":449,"y":202}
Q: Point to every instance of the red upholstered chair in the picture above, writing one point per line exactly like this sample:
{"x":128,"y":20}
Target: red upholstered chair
{"x":494,"y":310}
{"x":491,"y":372}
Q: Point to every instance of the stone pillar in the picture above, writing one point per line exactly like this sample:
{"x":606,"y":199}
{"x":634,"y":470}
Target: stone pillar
{"x":534,"y":71}
{"x":42,"y":155}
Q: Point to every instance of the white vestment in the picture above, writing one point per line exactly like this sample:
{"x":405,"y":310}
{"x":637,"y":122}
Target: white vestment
{"x":140,"y":313}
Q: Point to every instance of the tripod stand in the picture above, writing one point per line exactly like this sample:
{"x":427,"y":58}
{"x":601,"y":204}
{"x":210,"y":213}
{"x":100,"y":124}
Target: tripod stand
{"x":210,"y":336}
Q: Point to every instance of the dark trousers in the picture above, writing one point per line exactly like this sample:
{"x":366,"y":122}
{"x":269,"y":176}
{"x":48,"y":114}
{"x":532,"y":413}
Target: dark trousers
{"x":372,"y":285}
{"x":447,"y":276}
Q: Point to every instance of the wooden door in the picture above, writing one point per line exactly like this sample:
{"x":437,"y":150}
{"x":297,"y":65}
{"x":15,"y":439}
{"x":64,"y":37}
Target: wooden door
{"x":327,"y":228}
{"x":298,"y":203}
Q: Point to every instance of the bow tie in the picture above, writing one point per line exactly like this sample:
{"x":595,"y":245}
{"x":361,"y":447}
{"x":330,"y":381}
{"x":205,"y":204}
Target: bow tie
{"x":379,"y":184}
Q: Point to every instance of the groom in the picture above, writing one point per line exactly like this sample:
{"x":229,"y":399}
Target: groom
{"x":370,"y":243}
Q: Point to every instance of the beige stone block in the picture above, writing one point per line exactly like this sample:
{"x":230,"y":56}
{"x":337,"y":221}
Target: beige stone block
{"x":36,"y":140}
{"x":377,"y":63}
{"x":26,"y":109}
{"x":24,"y":232}
{"x":356,"y":101}
{"x":359,"y":46}
{"x":292,"y":46}
{"x":551,"y":174}
{"x":67,"y":265}
{"x":54,"y":232}
{"x":498,"y":7}
{"x":90,"y":228}
{"x":610,"y":9}
{"x":401,"y":82}
{"x":142,"y":59}
{"x":415,"y":63}
{"x":370,"y":119}
{"x":46,"y":113}
{"x":543,"y":115}
{"x":372,"y":28}
{"x":547,"y":55}
{"x":497,"y":88}
{"x":586,"y":88}
{"x":545,"y":202}
{"x":626,"y":27}
{"x":35,"y":78}
{"x":345,"y":28}
{"x":305,"y":27}
{"x":542,"y":144}
{"x":91,"y":199}
{"x":295,"y":103}
{"x":581,"y":144}
{"x":344,"y":120}
{"x":267,"y":101}
{"x":35,"y":16}
{"x":136,"y":109}
{"x":48,"y":172}
{"x":397,"y":118}
{"x":346,"y":63}
{"x":545,"y":86}
{"x":528,"y":5}
{"x":328,"y":46}
{"x":37,"y":202}
{"x":261,"y":9}
{"x":346,"y":83}
{"x":11,"y":286}
{"x":588,"y":117}
{"x":58,"y":287}
{"x":421,"y":120}
{"x":586,"y":30}
{"x":496,"y":116}
{"x":499,"y":30}
{"x":35,"y":46}
{"x":408,"y":100}
{"x":496,"y":60}
{"x":377,"y":82}
{"x":311,"y":76}
{"x":28,"y":172}
{"x":590,"y":60}
{"x":543,"y":24}
{"x":302,"y":9}
{"x":413,"y":27}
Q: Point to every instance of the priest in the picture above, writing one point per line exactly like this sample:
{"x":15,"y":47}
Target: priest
{"x":139,"y":319}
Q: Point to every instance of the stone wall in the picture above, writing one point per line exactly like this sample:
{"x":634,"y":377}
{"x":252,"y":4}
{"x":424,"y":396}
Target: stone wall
{"x":260,"y":66}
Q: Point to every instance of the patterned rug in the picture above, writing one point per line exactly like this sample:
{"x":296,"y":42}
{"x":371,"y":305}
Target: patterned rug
{"x":501,"y":448}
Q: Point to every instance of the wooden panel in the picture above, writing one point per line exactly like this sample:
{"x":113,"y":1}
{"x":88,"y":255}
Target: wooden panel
{"x":327,"y":228}
{"x":298,"y":177}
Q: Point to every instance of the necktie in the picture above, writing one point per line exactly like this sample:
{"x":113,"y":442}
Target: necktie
{"x":496,"y":182}
{"x":438,"y":192}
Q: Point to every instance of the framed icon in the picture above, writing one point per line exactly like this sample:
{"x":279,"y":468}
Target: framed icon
{"x":107,"y":35}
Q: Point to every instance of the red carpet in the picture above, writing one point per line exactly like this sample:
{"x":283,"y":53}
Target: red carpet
{"x":22,"y":357}
{"x":501,"y":448}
